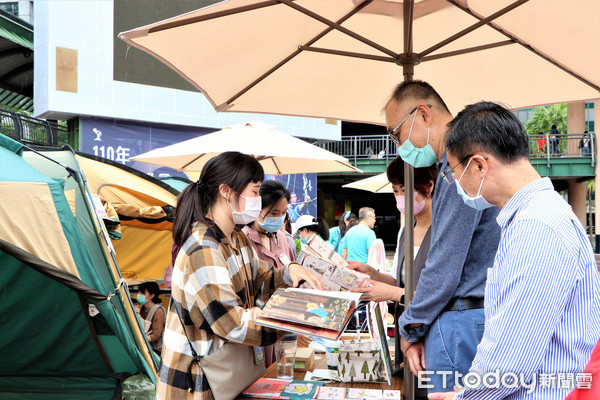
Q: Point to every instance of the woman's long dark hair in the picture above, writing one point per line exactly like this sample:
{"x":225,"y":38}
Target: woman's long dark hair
{"x":347,"y":216}
{"x":322,"y":229}
{"x":231,"y":168}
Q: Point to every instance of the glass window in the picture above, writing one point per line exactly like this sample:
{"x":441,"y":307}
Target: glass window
{"x":11,"y":8}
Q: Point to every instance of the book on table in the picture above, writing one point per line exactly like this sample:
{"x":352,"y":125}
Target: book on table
{"x":268,"y":388}
{"x":310,"y":312}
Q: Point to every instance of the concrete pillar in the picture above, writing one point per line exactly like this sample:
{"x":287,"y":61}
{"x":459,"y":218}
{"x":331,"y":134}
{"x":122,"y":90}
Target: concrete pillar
{"x":577,"y":197}
{"x":577,"y":190}
{"x":576,"y":125}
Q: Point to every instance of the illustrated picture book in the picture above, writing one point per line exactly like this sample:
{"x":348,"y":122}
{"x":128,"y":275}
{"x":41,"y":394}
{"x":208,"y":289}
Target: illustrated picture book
{"x":310,"y":312}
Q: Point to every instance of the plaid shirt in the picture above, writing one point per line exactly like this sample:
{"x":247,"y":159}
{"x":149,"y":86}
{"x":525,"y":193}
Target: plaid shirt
{"x":209,"y":281}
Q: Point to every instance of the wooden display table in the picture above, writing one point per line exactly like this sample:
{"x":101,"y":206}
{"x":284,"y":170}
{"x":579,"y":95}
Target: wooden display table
{"x":320,"y":363}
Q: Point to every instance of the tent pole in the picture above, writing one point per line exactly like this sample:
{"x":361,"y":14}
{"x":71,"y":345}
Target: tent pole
{"x":408,"y":72}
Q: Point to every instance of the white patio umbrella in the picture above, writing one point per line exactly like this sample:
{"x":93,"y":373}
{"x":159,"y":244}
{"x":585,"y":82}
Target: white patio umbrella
{"x":341,"y":58}
{"x":376,"y":184}
{"x":279,"y":153}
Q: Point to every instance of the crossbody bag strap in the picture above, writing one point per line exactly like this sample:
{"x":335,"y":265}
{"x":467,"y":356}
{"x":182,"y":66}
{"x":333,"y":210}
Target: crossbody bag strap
{"x":195,"y":357}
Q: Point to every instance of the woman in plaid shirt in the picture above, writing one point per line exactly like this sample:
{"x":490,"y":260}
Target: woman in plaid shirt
{"x":217,"y":277}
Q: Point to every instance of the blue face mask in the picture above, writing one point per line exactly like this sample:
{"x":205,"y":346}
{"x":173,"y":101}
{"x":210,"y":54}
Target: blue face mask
{"x":272,"y":224}
{"x":304,"y":240}
{"x":418,"y":157}
{"x":141,"y":299}
{"x":477,"y":202}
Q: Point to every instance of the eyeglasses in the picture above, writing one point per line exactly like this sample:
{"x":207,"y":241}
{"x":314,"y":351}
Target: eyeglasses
{"x":448,"y":176}
{"x":392,"y":133}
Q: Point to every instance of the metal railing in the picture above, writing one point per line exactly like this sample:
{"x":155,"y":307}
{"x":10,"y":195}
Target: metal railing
{"x":363,"y":147}
{"x":31,"y":130}
{"x":574,"y":145}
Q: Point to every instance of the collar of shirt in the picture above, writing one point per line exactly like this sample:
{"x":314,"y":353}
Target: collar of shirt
{"x":520,"y":198}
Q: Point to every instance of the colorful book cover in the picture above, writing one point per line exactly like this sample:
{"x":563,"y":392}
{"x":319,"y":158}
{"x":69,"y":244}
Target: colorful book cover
{"x":300,"y":390}
{"x":333,"y":393}
{"x":360,"y":394}
{"x":266,"y":388}
{"x":320,"y":309}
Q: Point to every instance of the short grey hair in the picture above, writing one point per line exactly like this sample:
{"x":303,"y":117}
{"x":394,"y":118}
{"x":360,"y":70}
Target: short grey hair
{"x":365,"y":212}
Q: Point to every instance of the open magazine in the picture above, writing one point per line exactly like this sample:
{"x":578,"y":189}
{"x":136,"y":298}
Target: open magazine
{"x":319,"y":257}
{"x":319,"y":313}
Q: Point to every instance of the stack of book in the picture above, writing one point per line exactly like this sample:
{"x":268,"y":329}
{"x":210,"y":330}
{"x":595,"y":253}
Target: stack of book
{"x":319,"y":313}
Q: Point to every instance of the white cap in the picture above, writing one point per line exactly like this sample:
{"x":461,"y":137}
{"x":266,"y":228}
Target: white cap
{"x":303,"y":221}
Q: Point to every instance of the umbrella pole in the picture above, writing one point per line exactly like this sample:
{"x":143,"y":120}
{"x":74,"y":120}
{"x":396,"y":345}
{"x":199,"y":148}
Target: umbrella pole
{"x":408,"y":71}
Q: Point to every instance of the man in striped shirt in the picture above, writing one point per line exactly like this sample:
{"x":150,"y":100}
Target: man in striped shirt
{"x":542,"y":297}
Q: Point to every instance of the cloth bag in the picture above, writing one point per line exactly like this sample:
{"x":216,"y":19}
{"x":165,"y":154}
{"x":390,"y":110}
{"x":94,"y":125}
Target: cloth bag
{"x":231,"y":370}
{"x":360,"y":361}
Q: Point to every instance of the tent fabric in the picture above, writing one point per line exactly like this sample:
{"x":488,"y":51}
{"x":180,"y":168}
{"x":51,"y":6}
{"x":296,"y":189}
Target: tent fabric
{"x":137,"y":266}
{"x":43,"y":215}
{"x":52,"y":272}
{"x":66,"y":333}
{"x":144,"y":206}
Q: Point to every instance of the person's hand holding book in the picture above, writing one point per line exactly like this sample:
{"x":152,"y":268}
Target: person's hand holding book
{"x":380,"y":291}
{"x":298,"y":274}
{"x":360,"y":267}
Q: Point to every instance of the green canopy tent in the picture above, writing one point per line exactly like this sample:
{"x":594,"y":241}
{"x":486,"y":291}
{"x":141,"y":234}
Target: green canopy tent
{"x":68,"y":329}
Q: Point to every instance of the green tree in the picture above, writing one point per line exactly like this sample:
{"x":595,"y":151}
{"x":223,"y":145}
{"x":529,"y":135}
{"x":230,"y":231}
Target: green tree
{"x":352,"y":373}
{"x":365,"y":369}
{"x":544,"y":117}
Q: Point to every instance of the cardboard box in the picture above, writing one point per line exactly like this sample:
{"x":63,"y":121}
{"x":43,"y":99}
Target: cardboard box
{"x":305,"y":359}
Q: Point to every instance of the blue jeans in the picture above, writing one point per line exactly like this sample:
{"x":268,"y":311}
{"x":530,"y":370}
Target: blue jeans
{"x":450,"y":345}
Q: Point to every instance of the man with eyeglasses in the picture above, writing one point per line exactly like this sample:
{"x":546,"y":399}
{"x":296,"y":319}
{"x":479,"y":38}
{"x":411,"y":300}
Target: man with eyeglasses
{"x":542,"y":298}
{"x":443,"y":324}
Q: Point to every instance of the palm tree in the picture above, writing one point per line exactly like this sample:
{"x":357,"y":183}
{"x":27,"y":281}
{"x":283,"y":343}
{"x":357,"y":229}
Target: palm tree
{"x":541,"y":122}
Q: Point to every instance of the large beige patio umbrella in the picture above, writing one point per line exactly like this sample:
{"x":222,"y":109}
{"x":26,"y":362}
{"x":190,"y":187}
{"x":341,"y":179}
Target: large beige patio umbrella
{"x":341,"y":58}
{"x":278,"y":152}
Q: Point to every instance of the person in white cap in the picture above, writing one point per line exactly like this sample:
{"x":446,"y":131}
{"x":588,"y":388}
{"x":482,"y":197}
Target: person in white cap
{"x":307,"y":226}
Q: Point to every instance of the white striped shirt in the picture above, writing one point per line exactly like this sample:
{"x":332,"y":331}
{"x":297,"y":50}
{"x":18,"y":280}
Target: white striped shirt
{"x":542,"y":300}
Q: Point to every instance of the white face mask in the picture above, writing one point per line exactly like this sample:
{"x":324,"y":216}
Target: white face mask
{"x":251,"y":211}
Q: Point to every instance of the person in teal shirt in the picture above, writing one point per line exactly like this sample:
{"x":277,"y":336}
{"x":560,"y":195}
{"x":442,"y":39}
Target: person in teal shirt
{"x":337,"y":232}
{"x":358,"y":240}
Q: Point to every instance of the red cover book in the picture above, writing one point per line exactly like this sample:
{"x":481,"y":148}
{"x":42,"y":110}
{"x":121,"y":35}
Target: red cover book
{"x":266,"y":388}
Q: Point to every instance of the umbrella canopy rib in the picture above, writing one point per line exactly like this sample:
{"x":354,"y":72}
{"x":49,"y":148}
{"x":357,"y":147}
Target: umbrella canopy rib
{"x":468,"y":50}
{"x":338,"y":27}
{"x":330,"y":28}
{"x":529,"y":47}
{"x":471,"y":28}
{"x":349,"y":54}
{"x":193,"y":160}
